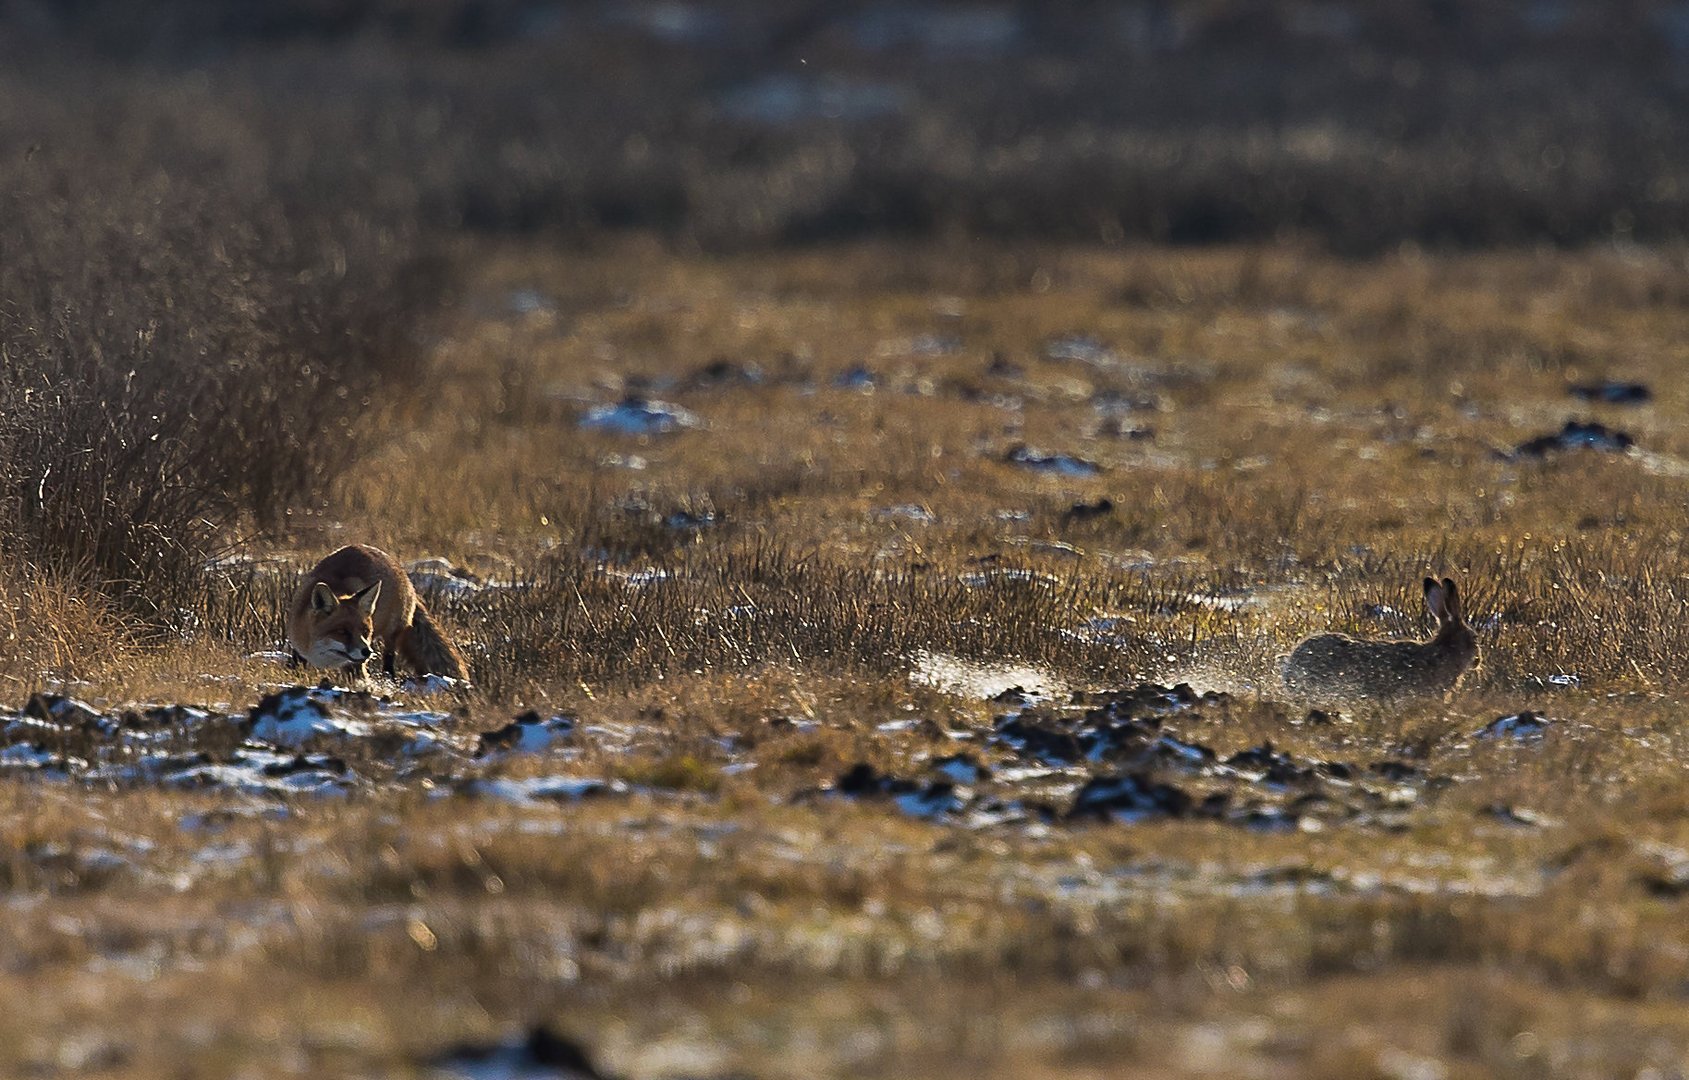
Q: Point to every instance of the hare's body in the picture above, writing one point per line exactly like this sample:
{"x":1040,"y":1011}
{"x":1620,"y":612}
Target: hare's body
{"x":1337,"y":666}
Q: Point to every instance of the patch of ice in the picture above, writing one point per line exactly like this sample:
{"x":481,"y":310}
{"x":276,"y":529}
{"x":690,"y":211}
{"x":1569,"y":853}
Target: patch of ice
{"x":962,"y":769}
{"x":909,"y":511}
{"x":25,"y":755}
{"x":982,"y":679}
{"x":1081,"y":349}
{"x":1023,"y":774}
{"x":542,"y":788}
{"x":528,"y":301}
{"x":64,"y":710}
{"x":228,"y":851}
{"x":1115,"y":630}
{"x":618,"y":735}
{"x":1662,"y":464}
{"x":857,"y":378}
{"x":527,"y":734}
{"x":1231,"y":602}
{"x":1061,"y":464}
{"x":431,"y":684}
{"x":1129,"y":798}
{"x":1519,"y":816}
{"x":274,"y":656}
{"x":977,"y":579}
{"x":687,"y":521}
{"x":292,"y":719}
{"x":1562,"y":680}
{"x":934,"y":800}
{"x":640,"y":416}
{"x":1048,"y":547}
{"x":639,"y":578}
{"x":437,"y":576}
{"x":1524,"y":726}
{"x":259,"y":773}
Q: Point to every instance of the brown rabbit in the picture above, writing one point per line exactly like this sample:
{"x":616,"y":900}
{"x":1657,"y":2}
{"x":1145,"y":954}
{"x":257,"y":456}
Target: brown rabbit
{"x":1328,"y":666}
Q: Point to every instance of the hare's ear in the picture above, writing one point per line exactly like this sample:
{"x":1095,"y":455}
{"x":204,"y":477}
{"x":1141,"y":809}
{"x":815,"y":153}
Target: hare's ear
{"x":323,"y":599}
{"x":1436,"y":599}
{"x":1451,"y":599}
{"x":366,"y":597}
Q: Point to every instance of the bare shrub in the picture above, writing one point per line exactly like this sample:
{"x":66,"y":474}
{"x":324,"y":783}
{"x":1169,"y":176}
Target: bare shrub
{"x":186,"y":351}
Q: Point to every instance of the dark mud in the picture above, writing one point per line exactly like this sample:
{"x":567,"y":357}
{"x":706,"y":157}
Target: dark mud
{"x":1577,"y":435}
{"x":1127,"y":756}
{"x":1612,"y":392}
{"x":1119,"y":756}
{"x":321,"y":741}
{"x":539,"y":1053}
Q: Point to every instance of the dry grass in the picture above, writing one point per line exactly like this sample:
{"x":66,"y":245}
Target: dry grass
{"x":277,"y":280}
{"x":1325,"y":432}
{"x":1303,"y":460}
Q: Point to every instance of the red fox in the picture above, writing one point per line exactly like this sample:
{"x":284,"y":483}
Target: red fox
{"x":358,"y":594}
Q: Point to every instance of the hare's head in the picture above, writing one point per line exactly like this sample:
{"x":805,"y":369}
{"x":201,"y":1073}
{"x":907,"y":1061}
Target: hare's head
{"x":1453,"y":635}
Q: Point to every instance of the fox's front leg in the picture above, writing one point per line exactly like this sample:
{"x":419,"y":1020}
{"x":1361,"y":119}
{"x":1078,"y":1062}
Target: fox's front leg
{"x":391,"y":647}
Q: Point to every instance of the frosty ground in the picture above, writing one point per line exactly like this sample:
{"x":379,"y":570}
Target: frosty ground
{"x":874,"y":655}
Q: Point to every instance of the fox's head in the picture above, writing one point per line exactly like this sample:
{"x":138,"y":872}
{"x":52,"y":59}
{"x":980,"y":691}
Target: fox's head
{"x":342,"y":626}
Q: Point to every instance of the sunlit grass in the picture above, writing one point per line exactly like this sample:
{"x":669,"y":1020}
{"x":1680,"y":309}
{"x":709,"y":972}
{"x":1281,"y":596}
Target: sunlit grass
{"x":760,"y":591}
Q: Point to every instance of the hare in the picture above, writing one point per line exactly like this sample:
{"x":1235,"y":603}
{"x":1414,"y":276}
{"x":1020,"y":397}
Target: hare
{"x":1340,"y":666}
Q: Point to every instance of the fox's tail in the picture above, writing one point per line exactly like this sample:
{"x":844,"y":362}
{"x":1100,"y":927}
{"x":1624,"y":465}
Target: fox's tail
{"x":430,"y":651}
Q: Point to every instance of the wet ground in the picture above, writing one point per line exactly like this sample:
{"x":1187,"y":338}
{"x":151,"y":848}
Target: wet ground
{"x":1049,"y":758}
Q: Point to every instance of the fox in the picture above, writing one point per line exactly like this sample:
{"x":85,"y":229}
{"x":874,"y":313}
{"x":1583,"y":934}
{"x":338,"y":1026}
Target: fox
{"x":355,"y":596}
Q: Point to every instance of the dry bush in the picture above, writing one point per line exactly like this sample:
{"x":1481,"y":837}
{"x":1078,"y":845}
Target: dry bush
{"x":1362,"y":125}
{"x":188,"y":344}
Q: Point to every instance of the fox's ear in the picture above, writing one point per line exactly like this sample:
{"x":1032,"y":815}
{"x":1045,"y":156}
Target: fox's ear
{"x":366,"y":598}
{"x":323,"y":599}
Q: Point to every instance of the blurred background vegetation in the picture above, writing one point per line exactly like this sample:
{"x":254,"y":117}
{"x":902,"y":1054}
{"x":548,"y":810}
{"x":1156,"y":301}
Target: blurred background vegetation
{"x":226,"y":225}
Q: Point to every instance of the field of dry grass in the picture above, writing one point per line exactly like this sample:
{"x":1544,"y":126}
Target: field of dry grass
{"x":899,"y":480}
{"x":873,"y":457}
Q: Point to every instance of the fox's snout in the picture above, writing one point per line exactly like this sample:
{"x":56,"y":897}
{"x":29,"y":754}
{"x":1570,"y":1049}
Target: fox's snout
{"x":358,"y":652}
